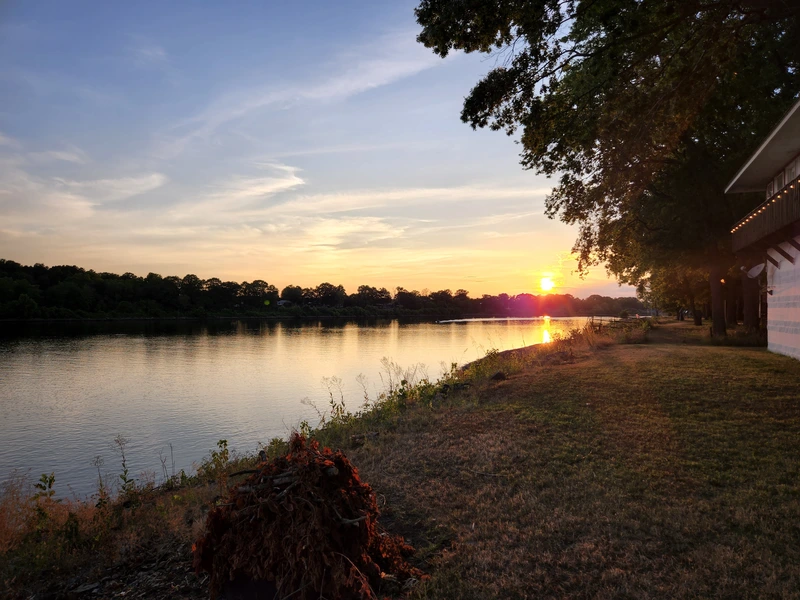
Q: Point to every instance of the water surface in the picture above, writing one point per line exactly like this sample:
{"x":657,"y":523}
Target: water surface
{"x":66,"y":391}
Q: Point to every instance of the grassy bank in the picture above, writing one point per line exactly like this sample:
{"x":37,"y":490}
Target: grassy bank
{"x":658,"y":470}
{"x":586,"y":467}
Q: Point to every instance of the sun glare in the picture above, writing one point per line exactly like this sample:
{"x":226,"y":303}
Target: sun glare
{"x":546,"y":283}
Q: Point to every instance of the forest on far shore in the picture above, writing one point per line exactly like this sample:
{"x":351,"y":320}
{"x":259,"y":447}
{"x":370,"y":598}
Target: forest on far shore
{"x":70,"y":292}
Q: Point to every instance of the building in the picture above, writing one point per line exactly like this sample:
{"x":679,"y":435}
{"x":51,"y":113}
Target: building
{"x":770,"y":233}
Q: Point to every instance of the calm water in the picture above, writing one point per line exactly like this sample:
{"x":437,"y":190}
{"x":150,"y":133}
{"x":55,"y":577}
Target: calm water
{"x":66,"y":392}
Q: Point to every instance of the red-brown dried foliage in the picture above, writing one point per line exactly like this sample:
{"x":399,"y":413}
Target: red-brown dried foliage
{"x":306,"y":522}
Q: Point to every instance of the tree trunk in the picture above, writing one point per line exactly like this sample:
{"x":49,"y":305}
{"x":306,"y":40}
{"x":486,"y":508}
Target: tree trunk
{"x":717,"y":303}
{"x":750,"y":299}
{"x":696,"y":314}
{"x":730,"y":303}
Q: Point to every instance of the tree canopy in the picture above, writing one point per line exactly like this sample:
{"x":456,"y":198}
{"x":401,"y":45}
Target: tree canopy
{"x":642,"y":109}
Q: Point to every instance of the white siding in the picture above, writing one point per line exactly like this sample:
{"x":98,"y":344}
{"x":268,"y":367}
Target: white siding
{"x":783,"y":313}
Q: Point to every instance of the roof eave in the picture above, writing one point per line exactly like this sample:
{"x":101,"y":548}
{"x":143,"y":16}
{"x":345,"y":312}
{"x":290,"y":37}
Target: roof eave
{"x":735,"y":186}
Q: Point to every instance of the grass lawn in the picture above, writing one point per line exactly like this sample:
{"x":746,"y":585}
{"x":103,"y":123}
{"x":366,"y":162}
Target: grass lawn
{"x":660,"y":470}
{"x":669,"y":469}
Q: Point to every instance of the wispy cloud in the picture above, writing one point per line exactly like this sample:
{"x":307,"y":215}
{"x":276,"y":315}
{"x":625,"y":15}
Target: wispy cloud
{"x":399,"y":58}
{"x":113,"y":190}
{"x":237,"y":198}
{"x":482,"y":223}
{"x":30,"y":202}
{"x":384,"y":61}
{"x":73,"y":154}
{"x":343,"y":148}
{"x":148,"y":53}
{"x":246,"y":189}
{"x":350,"y":232}
{"x":45,"y":84}
{"x":8,"y":141}
{"x":357,"y":200}
{"x":149,"y":56}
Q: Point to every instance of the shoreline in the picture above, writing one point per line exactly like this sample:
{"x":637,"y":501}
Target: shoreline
{"x":424,"y":317}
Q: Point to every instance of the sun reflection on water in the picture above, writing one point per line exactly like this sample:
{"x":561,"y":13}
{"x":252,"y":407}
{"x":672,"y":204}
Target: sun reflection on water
{"x":546,"y":339}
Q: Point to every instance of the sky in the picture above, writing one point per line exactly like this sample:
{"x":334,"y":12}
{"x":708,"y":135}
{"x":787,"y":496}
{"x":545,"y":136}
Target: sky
{"x":295,"y":142}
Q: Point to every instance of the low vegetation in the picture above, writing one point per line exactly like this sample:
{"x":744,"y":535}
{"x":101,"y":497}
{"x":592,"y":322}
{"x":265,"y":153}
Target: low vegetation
{"x":664,"y":467}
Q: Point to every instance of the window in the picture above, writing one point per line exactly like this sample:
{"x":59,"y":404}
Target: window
{"x":770,"y":187}
{"x":778,"y":182}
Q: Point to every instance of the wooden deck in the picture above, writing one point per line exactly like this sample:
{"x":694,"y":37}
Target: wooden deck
{"x":777,"y":213}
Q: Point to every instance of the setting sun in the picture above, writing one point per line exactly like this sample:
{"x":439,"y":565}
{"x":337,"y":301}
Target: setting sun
{"x":546,"y":283}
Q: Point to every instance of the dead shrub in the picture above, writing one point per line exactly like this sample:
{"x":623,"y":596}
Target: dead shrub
{"x":307,"y":524}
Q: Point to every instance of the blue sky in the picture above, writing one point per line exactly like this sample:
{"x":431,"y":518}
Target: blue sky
{"x":293,"y":142}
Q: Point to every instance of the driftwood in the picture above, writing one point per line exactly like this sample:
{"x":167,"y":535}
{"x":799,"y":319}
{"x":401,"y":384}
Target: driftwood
{"x":244,"y":472}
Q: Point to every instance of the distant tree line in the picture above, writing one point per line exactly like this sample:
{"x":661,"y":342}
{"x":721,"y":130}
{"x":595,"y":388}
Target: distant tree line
{"x":69,"y":292}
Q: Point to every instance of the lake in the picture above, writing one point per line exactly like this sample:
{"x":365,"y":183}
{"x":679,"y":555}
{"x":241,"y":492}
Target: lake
{"x":68,"y":389}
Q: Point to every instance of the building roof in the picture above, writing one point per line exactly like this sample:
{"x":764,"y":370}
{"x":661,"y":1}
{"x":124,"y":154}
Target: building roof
{"x":781,"y":146}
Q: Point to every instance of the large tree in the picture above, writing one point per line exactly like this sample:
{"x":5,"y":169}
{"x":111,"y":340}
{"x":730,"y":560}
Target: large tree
{"x":642,"y":109}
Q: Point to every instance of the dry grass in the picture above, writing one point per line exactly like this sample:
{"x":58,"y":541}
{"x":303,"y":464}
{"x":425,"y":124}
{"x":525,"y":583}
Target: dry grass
{"x":639,"y":471}
{"x":45,"y":542}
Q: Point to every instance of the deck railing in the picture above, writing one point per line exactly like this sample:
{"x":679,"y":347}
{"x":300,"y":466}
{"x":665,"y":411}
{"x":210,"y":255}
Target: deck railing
{"x":777,"y":212}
